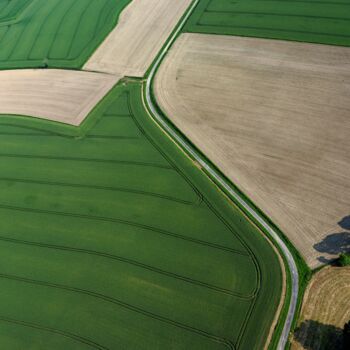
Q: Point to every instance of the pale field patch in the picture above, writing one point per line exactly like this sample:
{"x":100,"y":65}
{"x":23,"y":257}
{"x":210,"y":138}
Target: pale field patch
{"x":65,"y":96}
{"x":141,"y":32}
{"x":274,"y":116}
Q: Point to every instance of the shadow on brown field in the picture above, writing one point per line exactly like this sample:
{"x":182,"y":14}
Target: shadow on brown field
{"x":335,"y":243}
{"x":313,"y":335}
{"x":344,"y":223}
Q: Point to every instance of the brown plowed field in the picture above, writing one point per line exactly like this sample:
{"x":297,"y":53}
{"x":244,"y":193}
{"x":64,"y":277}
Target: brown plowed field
{"x":274,"y":117}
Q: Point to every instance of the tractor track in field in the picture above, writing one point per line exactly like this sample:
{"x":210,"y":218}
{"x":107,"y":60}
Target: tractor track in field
{"x":42,"y":328}
{"x":129,"y":261}
{"x":221,"y":181}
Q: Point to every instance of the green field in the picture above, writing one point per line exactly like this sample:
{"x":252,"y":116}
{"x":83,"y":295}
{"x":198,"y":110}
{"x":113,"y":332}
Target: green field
{"x":318,"y":21}
{"x":112,"y":239}
{"x":54,"y":33}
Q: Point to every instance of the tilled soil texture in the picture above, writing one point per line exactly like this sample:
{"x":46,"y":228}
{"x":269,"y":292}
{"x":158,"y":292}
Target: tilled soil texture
{"x":141,"y":32}
{"x":274,"y":117}
{"x":65,"y":96}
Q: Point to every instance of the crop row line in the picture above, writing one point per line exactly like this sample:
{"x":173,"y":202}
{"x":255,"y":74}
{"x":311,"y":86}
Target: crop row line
{"x":93,"y":160}
{"x":97,"y":187}
{"x":107,"y":137}
{"x":310,"y":2}
{"x":53,"y":330}
{"x":125,"y":222}
{"x":275,"y":14}
{"x":200,"y":23}
{"x":130,"y":262}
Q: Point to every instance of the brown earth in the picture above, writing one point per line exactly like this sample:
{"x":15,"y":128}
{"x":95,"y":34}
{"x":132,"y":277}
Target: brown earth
{"x":274,"y":117}
{"x":141,"y":32}
{"x":65,"y":96}
{"x":325,"y":310}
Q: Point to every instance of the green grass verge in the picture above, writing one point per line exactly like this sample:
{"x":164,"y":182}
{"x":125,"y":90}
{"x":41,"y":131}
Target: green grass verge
{"x":317,"y":21}
{"x":112,"y":238}
{"x":55,"y":33}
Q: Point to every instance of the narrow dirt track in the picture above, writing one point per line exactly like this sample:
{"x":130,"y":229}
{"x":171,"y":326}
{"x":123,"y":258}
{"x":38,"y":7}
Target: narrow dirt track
{"x":325,"y":310}
{"x":65,"y":96}
{"x":273,"y":116}
{"x":142,"y":29}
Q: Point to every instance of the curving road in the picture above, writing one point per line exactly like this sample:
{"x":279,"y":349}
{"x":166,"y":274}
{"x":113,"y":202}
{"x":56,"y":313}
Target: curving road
{"x":222,"y":182}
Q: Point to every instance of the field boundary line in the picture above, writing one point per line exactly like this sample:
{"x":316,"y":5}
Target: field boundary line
{"x":222,"y":182}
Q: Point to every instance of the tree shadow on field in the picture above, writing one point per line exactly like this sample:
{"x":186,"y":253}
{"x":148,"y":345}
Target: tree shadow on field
{"x":313,"y":335}
{"x":335,"y":243}
{"x":344,"y":223}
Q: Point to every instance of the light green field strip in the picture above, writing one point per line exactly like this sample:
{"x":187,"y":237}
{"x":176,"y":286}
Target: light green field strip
{"x":55,"y":33}
{"x":319,"y":21}
{"x":111,"y":238}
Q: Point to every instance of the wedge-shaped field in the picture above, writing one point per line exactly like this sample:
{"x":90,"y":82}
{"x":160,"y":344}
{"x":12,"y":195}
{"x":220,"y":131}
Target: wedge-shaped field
{"x":112,"y":239}
{"x":140,"y":34}
{"x":54,"y":33}
{"x":318,"y":21}
{"x":274,"y":117}
{"x":62,"y":95}
{"x":326,"y":308}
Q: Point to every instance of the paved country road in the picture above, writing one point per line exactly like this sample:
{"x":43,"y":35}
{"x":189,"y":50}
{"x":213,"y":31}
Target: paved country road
{"x":223,"y":183}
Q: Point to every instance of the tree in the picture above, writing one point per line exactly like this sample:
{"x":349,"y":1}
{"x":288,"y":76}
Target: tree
{"x":344,"y":259}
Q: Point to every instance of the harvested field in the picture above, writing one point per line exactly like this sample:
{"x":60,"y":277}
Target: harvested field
{"x":325,"y":310}
{"x":65,"y":96}
{"x":274,"y":117}
{"x":141,"y":32}
{"x":93,"y":254}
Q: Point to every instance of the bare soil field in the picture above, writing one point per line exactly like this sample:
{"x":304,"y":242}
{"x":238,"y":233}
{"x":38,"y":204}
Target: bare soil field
{"x":142,"y":29}
{"x":65,"y":96}
{"x":274,"y":117}
{"x":325,"y":310}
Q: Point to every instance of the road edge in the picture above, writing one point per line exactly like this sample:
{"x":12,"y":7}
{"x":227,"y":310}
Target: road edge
{"x":223,"y":183}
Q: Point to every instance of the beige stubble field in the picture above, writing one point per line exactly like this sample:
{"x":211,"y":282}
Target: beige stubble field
{"x":274,"y":117}
{"x":65,"y":96}
{"x":142,"y":29}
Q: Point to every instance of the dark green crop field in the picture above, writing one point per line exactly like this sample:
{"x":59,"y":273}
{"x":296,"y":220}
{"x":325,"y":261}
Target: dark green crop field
{"x":318,"y":21}
{"x":111,"y":238}
{"x":54,"y":33}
